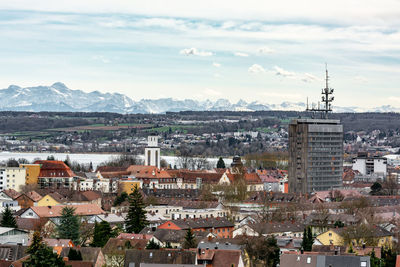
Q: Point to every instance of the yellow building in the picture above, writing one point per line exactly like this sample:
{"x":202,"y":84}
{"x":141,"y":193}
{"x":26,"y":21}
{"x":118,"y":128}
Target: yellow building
{"x":51,"y":199}
{"x":32,"y":173}
{"x":128,"y":185}
{"x":377,"y":237}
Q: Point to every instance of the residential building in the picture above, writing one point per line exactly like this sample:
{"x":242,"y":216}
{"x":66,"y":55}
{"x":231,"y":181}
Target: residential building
{"x":319,"y":260}
{"x":128,"y":185}
{"x":55,"y":174}
{"x":315,"y":155}
{"x":32,"y":173}
{"x":13,"y":236}
{"x":221,"y":227}
{"x":87,"y":212}
{"x":28,"y":199}
{"x":89,"y":254}
{"x":368,"y":165}
{"x":12,"y":178}
{"x":217,"y":257}
{"x":335,"y":236}
{"x":152,"y":258}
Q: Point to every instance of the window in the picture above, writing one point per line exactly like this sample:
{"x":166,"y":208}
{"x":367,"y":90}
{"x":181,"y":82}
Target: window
{"x":308,"y":260}
{"x":363,"y":264}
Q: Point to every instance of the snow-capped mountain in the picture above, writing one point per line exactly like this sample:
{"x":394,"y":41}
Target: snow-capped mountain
{"x":59,"y":97}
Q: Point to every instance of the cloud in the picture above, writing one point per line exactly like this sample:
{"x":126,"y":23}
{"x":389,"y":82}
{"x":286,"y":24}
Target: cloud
{"x":212,"y":92}
{"x":265,"y":50}
{"x":217,"y":65}
{"x":101,"y":58}
{"x":284,"y":73}
{"x":240,"y":54}
{"x":394,"y":98}
{"x":360,"y":79}
{"x":217,"y":75}
{"x":195,"y":52}
{"x":310,"y":78}
{"x":255,"y":68}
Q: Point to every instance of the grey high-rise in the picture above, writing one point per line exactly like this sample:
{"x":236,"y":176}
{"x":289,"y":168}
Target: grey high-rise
{"x":315,"y":155}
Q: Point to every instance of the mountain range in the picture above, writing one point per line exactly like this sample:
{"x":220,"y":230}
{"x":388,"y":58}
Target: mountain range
{"x":59,"y":97}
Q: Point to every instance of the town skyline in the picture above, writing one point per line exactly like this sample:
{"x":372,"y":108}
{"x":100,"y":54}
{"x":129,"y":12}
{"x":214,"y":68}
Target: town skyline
{"x":273,"y":53}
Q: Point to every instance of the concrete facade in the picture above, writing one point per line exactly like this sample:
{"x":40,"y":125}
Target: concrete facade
{"x":315,"y":155}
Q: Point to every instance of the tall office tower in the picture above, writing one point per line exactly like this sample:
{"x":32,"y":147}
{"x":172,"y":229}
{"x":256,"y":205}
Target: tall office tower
{"x":152,"y":152}
{"x":316,"y":150}
{"x":315,"y":155}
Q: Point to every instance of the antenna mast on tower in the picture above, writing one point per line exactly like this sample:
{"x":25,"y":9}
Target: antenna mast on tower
{"x":327,"y":97}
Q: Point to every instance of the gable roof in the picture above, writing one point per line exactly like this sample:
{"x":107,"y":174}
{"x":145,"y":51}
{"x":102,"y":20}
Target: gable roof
{"x":118,"y":246}
{"x":55,"y":211}
{"x":152,"y":172}
{"x":167,"y":256}
{"x":11,"y":193}
{"x":35,"y":196}
{"x":201,"y":223}
{"x":89,"y":254}
{"x":221,"y":257}
{"x":54,"y":168}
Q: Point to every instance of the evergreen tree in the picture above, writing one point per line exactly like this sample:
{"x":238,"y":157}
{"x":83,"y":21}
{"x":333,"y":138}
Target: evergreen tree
{"x":102,"y":232}
{"x":40,"y":255}
{"x":68,"y":227}
{"x":221,"y":163}
{"x":389,"y":257}
{"x":8,"y":219}
{"x":152,"y":245}
{"x":308,"y":239}
{"x":375,"y":261}
{"x":190,"y":240}
{"x":74,"y":255}
{"x":136,"y":219}
{"x":120,"y":198}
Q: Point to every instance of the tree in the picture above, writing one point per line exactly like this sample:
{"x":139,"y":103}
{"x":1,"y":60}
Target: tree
{"x":152,"y":245}
{"x":221,"y":163}
{"x":120,"y":198}
{"x":376,"y":188}
{"x":389,"y":256}
{"x":136,"y":218}
{"x":339,"y":224}
{"x":8,"y":219}
{"x":102,"y":232}
{"x":190,"y":240}
{"x":375,"y":261}
{"x":308,"y":239}
{"x":262,"y":251}
{"x":12,"y":163}
{"x":51,"y":157}
{"x":68,"y":227}
{"x":40,"y":255}
{"x":74,"y":255}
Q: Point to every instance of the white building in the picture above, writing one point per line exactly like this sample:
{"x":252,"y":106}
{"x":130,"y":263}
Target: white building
{"x":370,"y":165}
{"x":152,"y":152}
{"x":12,"y":178}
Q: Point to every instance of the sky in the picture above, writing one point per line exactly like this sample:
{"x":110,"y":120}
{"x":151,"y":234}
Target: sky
{"x":265,"y":51}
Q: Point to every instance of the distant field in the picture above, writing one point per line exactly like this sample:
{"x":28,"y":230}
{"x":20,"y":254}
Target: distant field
{"x":266,"y":129}
{"x":102,"y":127}
{"x":182,"y":128}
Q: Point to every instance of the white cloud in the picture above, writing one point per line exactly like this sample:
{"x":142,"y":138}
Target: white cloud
{"x":217,"y":75}
{"x":212,"y":92}
{"x":255,"y":68}
{"x":217,"y":65}
{"x":394,"y":98}
{"x":310,"y":78}
{"x":101,"y":58}
{"x":360,"y":79}
{"x":241,"y":54}
{"x":284,"y":73}
{"x":195,"y":52}
{"x":265,"y":50}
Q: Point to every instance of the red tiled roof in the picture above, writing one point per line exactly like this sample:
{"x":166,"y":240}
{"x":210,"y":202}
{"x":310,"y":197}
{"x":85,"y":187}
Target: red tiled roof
{"x":55,"y":211}
{"x":54,"y":168}
{"x":11,"y":193}
{"x":34,"y":196}
{"x":141,"y":171}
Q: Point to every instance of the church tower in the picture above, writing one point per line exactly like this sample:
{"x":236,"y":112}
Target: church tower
{"x":152,"y":152}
